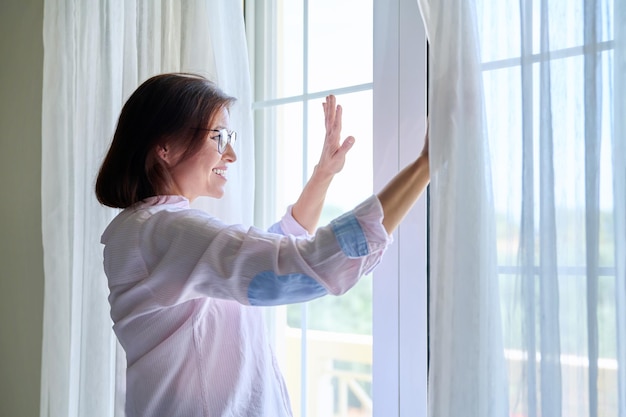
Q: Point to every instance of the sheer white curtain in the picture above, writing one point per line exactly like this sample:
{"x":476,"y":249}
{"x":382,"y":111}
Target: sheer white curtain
{"x":95,"y":55}
{"x":553,"y":78}
{"x":466,"y":360}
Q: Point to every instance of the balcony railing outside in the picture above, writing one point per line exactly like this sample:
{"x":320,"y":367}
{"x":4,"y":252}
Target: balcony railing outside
{"x":338,"y":392}
{"x":332,"y":390}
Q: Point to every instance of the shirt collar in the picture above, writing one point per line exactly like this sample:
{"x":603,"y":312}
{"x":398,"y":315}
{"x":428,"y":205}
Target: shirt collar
{"x":157,"y":200}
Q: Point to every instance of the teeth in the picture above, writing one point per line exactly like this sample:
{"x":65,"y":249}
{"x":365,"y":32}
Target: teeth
{"x":219,"y":171}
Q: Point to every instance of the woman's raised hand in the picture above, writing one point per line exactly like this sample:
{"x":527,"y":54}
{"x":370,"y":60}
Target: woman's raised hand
{"x":334,"y":153}
{"x":307,"y":209}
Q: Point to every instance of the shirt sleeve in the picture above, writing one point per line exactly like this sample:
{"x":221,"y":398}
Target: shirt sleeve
{"x":288,"y":225}
{"x":189,"y":255}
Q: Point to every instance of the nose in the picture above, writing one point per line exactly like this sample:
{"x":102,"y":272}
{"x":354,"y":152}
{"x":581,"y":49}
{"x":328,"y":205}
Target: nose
{"x":229,"y":154}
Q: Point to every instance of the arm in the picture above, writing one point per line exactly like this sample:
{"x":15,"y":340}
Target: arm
{"x":176,"y":255}
{"x":308,"y":207}
{"x":404,"y":189}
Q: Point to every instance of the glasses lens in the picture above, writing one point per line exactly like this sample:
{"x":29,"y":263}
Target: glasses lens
{"x":222,"y":141}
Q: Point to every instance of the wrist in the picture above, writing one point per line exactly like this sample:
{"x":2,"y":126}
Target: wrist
{"x":321,"y":174}
{"x":423,"y":159}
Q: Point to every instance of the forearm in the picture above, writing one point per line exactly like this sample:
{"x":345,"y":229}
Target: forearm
{"x":401,"y":193}
{"x":308,"y":208}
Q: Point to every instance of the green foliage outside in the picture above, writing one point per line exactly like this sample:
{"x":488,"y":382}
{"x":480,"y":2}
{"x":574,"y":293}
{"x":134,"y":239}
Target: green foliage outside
{"x":349,"y":313}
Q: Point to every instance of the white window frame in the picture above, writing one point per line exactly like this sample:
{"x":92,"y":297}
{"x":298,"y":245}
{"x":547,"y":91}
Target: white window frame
{"x":400,"y":347}
{"x":400,"y":360}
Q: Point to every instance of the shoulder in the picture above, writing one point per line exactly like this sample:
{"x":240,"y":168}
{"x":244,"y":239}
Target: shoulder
{"x":158,"y":214}
{"x":179,"y":220}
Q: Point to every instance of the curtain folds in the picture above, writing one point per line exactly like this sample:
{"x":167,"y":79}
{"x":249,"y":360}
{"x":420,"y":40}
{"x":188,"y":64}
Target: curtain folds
{"x":551,"y":78}
{"x":466,"y":361}
{"x":95,"y":55}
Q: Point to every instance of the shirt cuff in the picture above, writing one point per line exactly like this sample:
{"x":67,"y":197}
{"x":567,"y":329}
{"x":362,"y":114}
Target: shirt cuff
{"x":370,"y":216}
{"x":290,"y":226}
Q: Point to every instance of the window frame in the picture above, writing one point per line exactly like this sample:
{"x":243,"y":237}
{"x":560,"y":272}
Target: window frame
{"x":400,"y":357}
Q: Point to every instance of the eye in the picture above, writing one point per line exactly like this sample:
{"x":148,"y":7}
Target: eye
{"x":223,"y":138}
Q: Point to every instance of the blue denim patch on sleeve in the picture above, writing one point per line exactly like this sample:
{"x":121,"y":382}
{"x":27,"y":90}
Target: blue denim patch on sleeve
{"x":269,"y":289}
{"x":275,"y":228}
{"x":350,"y":236}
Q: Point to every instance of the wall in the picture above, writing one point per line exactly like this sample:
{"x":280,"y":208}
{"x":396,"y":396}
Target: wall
{"x":21,"y":255}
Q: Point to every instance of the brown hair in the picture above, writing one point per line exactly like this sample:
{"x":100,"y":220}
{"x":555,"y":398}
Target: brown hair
{"x":167,"y":109}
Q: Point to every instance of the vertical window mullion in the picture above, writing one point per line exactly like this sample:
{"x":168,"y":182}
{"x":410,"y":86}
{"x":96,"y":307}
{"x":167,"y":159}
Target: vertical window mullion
{"x":400,"y":369}
{"x":411,"y":236}
{"x":386,"y":362}
{"x":305,"y":145}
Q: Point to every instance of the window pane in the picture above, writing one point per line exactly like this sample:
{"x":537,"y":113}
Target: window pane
{"x":340,"y":43}
{"x":290,"y":47}
{"x":507,"y":167}
{"x":502,"y":20}
{"x":288,"y":171}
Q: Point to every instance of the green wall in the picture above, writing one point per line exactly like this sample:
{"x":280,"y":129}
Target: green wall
{"x":21,"y":254}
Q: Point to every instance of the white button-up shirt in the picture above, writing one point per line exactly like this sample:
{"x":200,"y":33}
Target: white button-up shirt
{"x":183,"y":286}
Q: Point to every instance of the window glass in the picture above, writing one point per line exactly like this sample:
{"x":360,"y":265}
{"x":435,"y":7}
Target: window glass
{"x":289,"y":48}
{"x":285,"y":177}
{"x":339,"y":43}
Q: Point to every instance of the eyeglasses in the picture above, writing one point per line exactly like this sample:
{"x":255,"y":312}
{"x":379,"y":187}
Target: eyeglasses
{"x":223,"y":138}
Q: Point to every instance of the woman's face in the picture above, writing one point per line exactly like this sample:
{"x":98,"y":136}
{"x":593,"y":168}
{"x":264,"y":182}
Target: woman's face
{"x":204,"y":174}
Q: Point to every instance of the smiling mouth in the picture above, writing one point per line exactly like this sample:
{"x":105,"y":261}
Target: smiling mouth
{"x":220,"y":172}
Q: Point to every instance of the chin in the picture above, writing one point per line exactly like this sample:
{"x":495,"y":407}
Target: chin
{"x":217,"y":194}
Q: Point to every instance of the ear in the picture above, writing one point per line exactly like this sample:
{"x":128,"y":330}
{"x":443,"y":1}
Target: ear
{"x":163,"y":153}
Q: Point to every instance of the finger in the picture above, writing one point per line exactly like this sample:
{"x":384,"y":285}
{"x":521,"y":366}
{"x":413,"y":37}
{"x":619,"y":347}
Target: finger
{"x":338,"y":118}
{"x":331,"y":99}
{"x":346,"y":145}
{"x":329,"y":111}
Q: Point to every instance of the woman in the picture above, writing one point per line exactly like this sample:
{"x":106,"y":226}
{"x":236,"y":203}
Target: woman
{"x":184,"y":286}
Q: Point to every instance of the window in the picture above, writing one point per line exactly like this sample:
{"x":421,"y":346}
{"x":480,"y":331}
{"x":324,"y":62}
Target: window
{"x":516,"y":61}
{"x":341,"y":355}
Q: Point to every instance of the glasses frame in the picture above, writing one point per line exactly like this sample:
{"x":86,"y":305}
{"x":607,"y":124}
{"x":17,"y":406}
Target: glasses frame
{"x":230,"y":135}
{"x":223,"y":138}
